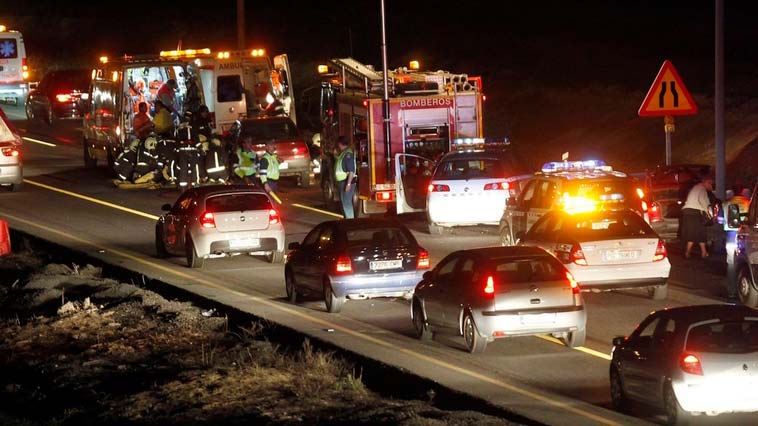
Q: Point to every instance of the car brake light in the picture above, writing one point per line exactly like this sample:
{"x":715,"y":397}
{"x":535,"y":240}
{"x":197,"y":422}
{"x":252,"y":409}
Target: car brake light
{"x":655,"y":213}
{"x":385,"y":196}
{"x":577,"y":256}
{"x":344,"y":265}
{"x":496,"y":186}
{"x":572,"y":282}
{"x":438,"y":188}
{"x":207,"y":220}
{"x":273,"y":217}
{"x":423,"y":260}
{"x":63,"y":98}
{"x":660,"y":252}
{"x":11,"y":152}
{"x":489,"y":287}
{"x":691,"y":364}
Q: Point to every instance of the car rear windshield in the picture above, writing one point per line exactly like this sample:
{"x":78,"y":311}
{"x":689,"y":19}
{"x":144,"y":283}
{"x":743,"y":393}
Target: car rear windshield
{"x":378,"y":237}
{"x":229,"y":88}
{"x":608,"y":226}
{"x":263,"y":130}
{"x":527,"y":270}
{"x":237,"y":203}
{"x":469,"y":168}
{"x":724,"y":337}
{"x":66,"y":81}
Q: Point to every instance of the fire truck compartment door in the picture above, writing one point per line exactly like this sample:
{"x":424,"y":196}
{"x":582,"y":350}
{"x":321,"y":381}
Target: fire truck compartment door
{"x":412,"y":176}
{"x":282,"y":65}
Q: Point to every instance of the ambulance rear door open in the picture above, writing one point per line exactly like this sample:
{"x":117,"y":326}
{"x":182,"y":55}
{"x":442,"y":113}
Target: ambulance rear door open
{"x":282,"y":66}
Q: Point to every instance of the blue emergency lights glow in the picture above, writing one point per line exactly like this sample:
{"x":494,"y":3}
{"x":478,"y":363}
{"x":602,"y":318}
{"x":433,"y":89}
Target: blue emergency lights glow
{"x":575,"y":166}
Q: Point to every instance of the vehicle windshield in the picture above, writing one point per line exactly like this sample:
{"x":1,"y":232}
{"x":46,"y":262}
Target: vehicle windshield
{"x":527,"y":270}
{"x":377,"y":237}
{"x":237,"y":203}
{"x":724,"y":337}
{"x":469,"y":168}
{"x":263,"y":130}
{"x":71,"y":80}
{"x":606,"y":226}
{"x":666,"y":194}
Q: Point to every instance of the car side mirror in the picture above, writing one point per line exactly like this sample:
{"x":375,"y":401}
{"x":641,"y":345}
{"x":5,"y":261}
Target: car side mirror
{"x":293,"y":246}
{"x":166,"y":207}
{"x":733,"y":216}
{"x":428,"y":275}
{"x":511,"y":202}
{"x":619,"y":340}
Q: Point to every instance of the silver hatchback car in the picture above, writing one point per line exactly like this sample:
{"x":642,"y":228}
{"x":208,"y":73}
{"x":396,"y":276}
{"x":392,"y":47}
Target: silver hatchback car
{"x":11,"y":166}
{"x":489,"y":293}
{"x":220,"y":220}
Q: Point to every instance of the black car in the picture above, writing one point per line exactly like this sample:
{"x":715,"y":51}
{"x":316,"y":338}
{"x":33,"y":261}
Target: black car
{"x":60,"y":95}
{"x":355,"y":259}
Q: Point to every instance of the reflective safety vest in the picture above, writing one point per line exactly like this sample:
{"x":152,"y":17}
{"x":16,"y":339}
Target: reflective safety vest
{"x":272,"y":171}
{"x":339,"y":173}
{"x":246,"y":165}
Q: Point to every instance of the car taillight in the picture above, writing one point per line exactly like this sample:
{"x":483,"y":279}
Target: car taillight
{"x":643,"y":206}
{"x":691,"y":364}
{"x":207,"y":220}
{"x":572,"y":282}
{"x":497,"y":186}
{"x":655,"y":213}
{"x":63,"y":97}
{"x":489,"y":286}
{"x":385,"y":196}
{"x":577,"y":256}
{"x":273,"y":217}
{"x":438,"y":188}
{"x":423,"y":260}
{"x":660,"y":252}
{"x":344,"y":265}
{"x":11,"y":152}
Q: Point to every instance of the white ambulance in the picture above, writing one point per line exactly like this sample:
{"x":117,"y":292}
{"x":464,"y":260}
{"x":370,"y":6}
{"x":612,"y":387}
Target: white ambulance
{"x":14,"y":71}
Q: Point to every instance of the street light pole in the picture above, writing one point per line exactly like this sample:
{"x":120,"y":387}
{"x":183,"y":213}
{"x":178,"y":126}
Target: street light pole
{"x":719,"y":103}
{"x":386,"y":98}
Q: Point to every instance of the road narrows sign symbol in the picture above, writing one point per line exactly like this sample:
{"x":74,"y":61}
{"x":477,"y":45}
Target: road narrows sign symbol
{"x":668,"y":95}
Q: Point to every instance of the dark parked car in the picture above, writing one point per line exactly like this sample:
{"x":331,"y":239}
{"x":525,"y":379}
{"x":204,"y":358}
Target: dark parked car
{"x":60,"y":95}
{"x":355,"y":259}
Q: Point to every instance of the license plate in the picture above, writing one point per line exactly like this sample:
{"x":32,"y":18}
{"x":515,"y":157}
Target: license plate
{"x":284,"y":166}
{"x":620,"y":254}
{"x":379,"y":265}
{"x":245,"y":242}
{"x":548,"y":318}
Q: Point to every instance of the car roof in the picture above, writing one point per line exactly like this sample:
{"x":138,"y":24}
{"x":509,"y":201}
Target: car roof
{"x":206,"y":191}
{"x":697,"y":313}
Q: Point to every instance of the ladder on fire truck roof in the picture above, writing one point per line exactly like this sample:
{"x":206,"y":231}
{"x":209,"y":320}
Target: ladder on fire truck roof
{"x":366,"y":76}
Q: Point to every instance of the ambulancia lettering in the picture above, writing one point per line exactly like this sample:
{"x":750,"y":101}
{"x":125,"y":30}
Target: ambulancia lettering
{"x":229,"y":65}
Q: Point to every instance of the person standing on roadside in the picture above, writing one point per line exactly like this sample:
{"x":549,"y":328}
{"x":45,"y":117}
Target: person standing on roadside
{"x":269,"y":168}
{"x":344,"y":174}
{"x":696,"y":214}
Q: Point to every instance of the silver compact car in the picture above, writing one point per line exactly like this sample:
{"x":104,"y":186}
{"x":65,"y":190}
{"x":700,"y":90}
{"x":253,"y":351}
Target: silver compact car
{"x":692,"y":360}
{"x":489,"y":293}
{"x":11,"y":166}
{"x":220,"y":220}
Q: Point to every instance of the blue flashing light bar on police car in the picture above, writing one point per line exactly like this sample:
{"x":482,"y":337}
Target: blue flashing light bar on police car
{"x":480,"y":143}
{"x":575,"y":166}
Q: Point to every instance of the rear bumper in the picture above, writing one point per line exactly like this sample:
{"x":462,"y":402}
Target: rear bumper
{"x":610,"y":277}
{"x":295,"y":166}
{"x":529,"y":322}
{"x":472,"y":210}
{"x":376,"y":285}
{"x":714,"y":398}
{"x":13,"y":91}
{"x":208,"y":242}
{"x":622,"y":284}
{"x":11,"y":174}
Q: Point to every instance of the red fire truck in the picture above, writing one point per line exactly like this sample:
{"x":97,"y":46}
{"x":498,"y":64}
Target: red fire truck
{"x":427,"y":111}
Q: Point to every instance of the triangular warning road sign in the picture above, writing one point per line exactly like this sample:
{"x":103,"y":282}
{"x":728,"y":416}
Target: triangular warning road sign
{"x":668,"y":95}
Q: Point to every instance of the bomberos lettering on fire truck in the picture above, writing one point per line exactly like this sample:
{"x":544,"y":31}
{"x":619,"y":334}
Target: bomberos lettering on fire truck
{"x":426,"y":103}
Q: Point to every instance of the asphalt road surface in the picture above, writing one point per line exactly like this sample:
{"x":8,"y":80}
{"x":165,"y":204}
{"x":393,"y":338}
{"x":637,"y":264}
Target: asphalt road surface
{"x":535,"y":376}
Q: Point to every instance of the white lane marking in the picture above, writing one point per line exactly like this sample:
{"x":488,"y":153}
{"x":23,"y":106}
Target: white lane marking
{"x":28,"y":139}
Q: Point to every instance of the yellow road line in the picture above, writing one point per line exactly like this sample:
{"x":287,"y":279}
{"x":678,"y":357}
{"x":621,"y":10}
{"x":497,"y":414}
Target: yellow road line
{"x":28,"y":139}
{"x":92,"y":200}
{"x":578,"y":348}
{"x":318,"y":210}
{"x":327,"y":324}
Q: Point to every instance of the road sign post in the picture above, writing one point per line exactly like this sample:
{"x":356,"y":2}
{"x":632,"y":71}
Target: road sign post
{"x":667,"y":97}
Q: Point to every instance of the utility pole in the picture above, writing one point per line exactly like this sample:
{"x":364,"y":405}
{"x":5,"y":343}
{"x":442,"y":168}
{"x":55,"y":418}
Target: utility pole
{"x":719,"y":103}
{"x":240,"y":24}
{"x":386,"y":98}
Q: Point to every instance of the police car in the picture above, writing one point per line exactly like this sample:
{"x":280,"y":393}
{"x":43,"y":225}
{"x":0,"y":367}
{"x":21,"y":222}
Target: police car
{"x":570,"y":186}
{"x":470,"y":184}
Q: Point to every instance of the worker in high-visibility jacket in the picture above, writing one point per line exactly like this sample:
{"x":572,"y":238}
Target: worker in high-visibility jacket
{"x":245,"y":166}
{"x":344,"y":174}
{"x":268,"y":168}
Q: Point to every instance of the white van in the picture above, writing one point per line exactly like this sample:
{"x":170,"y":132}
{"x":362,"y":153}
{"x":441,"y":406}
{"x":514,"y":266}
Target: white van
{"x":14,"y":71}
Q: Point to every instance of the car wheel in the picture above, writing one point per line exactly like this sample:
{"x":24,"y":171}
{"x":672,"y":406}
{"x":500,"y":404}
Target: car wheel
{"x":193,"y":260}
{"x":90,"y":162}
{"x":423,"y":332}
{"x":29,"y":111}
{"x":474,"y":341}
{"x":333,"y":303}
{"x":658,"y":292}
{"x":289,"y":286}
{"x":50,"y":116}
{"x":435,"y":229}
{"x":305,"y":179}
{"x":618,"y":397}
{"x":111,"y":162}
{"x":745,"y":288}
{"x":506,"y":238}
{"x":275,"y":257}
{"x":160,"y":246}
{"x":17,"y":187}
{"x":675,"y":415}
{"x":328,"y":192}
{"x":575,"y":338}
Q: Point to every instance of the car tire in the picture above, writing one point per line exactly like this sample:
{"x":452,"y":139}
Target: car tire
{"x":90,"y":162}
{"x":111,"y":162}
{"x":619,"y":400}
{"x":675,"y":415}
{"x":16,"y":187}
{"x":506,"y":237}
{"x":435,"y":229}
{"x":475,"y":342}
{"x":193,"y":260}
{"x":160,"y":246}
{"x":29,"y":111}
{"x":305,"y":179}
{"x":423,"y":332}
{"x":746,"y":288}
{"x":575,"y":338}
{"x":50,"y":116}
{"x":275,"y":257}
{"x":290,"y":287}
{"x":658,"y":292}
{"x":333,"y":303}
